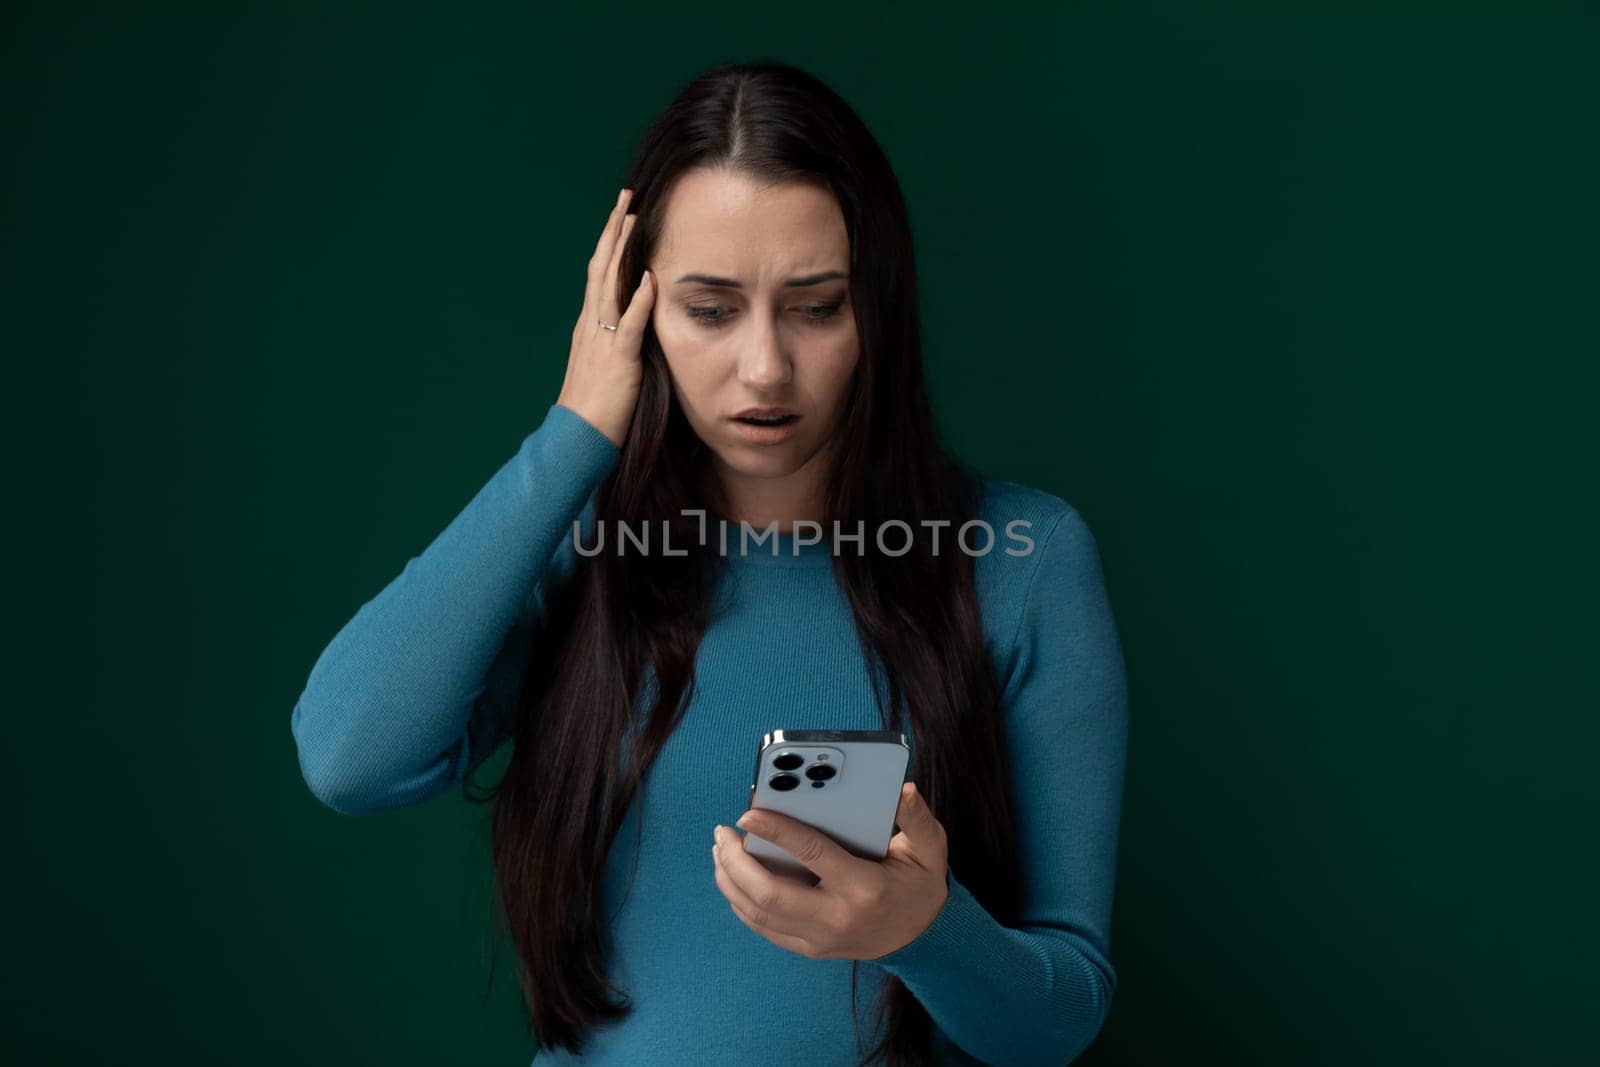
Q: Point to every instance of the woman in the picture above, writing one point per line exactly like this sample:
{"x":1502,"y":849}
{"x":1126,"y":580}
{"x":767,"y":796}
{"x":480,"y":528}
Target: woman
{"x":757,"y":268}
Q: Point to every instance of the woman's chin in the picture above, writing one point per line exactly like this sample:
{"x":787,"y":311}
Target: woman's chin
{"x":762,"y":461}
{"x":765,"y":463}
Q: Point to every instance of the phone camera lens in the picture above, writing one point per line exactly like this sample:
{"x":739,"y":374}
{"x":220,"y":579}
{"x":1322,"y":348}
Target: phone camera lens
{"x":783,"y":782}
{"x":820,"y":772}
{"x":788,"y":761}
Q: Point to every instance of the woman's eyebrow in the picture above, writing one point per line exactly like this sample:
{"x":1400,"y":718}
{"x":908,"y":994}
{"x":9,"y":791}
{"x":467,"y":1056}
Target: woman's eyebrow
{"x":792,"y":283}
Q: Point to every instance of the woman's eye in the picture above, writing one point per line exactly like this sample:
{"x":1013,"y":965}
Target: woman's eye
{"x":714,"y":316}
{"x":708,"y":315}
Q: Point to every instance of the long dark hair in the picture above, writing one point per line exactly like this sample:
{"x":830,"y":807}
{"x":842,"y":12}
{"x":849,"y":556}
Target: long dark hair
{"x":916,"y":615}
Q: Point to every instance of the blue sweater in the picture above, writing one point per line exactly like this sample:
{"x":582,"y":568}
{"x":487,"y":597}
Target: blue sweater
{"x":419,"y":687}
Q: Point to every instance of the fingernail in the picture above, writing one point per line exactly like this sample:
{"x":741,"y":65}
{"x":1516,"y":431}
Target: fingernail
{"x":744,"y":821}
{"x":716,"y":833}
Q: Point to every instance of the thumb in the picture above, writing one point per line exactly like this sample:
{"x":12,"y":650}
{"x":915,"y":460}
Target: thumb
{"x":916,"y":819}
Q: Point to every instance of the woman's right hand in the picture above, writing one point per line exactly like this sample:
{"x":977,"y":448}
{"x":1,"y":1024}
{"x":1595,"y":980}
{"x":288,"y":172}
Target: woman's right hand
{"x":604,"y":369}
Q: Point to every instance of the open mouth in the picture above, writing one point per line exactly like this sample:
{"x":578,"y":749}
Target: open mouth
{"x":765,"y":420}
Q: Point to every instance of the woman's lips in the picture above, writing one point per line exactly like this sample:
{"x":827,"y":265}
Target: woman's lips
{"x":766,"y":435}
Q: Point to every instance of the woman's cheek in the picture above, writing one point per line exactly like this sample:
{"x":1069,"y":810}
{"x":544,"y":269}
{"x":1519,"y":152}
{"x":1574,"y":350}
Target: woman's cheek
{"x":689,"y":380}
{"x":841,"y":364}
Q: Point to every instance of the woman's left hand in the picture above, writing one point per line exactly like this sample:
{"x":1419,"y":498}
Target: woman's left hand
{"x":861,"y":909}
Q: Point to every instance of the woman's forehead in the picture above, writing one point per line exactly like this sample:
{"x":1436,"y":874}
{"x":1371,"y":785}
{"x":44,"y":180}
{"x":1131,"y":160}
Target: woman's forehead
{"x":727,"y":225}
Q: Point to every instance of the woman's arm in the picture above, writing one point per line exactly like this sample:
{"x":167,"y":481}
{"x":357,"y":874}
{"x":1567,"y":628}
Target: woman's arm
{"x":1039,"y":992}
{"x":419,"y":686}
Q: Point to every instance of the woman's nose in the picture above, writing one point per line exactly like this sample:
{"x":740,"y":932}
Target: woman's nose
{"x":763,"y":364}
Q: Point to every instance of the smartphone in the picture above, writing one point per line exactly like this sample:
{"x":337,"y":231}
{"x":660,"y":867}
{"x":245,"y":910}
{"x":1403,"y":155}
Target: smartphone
{"x":845,"y":783}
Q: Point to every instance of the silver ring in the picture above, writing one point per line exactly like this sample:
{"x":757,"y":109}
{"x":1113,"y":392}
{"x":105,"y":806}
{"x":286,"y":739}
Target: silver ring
{"x":603,"y":326}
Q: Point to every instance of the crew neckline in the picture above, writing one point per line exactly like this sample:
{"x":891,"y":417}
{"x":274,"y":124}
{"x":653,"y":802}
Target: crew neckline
{"x":774,"y":550}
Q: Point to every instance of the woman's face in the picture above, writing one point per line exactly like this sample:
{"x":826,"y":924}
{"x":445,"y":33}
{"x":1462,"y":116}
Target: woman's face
{"x":754,"y":311}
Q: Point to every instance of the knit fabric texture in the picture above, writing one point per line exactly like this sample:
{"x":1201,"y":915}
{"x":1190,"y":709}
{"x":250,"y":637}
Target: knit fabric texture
{"x":421,"y":685}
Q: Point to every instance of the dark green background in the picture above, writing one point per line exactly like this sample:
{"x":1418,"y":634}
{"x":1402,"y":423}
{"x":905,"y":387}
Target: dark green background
{"x":1298,"y":310}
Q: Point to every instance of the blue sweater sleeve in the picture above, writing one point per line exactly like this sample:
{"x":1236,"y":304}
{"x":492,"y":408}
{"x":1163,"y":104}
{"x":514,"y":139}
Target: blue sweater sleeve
{"x":1039,"y":993}
{"x":418,"y":687}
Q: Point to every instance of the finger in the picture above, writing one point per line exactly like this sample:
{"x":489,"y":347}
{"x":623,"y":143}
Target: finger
{"x":920,"y":829}
{"x":609,"y":309}
{"x":798,"y":945}
{"x":789,"y":941}
{"x":820,"y":853}
{"x":601,"y":258}
{"x":782,"y":903}
{"x":752,"y":914}
{"x":638,"y":313}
